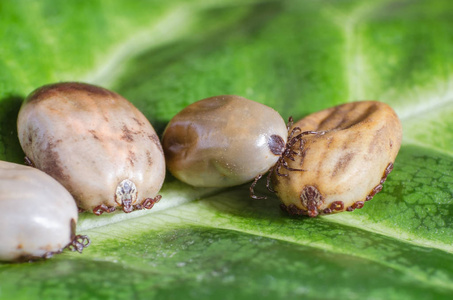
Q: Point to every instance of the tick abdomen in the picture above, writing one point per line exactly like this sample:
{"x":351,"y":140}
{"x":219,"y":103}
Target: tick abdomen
{"x":222,"y":141}
{"x":37,"y":214}
{"x":91,"y":139}
{"x":343,"y":166}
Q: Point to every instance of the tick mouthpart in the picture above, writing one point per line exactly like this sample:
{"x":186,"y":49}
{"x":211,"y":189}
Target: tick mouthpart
{"x":276,"y":144}
{"x":126,"y":194}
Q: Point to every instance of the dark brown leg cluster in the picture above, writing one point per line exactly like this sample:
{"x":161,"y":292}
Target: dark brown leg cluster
{"x":312,"y":210}
{"x":78,"y":243}
{"x":378,"y":188}
{"x":100,"y":209}
{"x":148,"y":203}
{"x":294,"y":136}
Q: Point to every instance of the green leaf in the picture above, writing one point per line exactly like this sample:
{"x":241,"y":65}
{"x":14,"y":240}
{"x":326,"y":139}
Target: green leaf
{"x":297,"y":56}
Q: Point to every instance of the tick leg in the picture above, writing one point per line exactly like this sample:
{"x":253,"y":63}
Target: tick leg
{"x":100,"y":209}
{"x":285,"y":165}
{"x":252,"y":188}
{"x":148,"y":203}
{"x":298,"y":137}
{"x":28,"y":162}
{"x":290,"y":123}
{"x":278,"y":167}
{"x":127,"y":205}
{"x":78,"y":243}
{"x":268,"y":181}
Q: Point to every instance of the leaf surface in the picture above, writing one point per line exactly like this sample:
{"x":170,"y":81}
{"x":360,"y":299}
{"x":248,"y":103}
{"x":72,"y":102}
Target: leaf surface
{"x":295,"y":56}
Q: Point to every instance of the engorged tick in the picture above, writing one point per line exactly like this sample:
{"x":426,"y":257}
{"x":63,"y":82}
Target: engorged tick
{"x":95,"y":143}
{"x":223,"y":141}
{"x":38,"y":216}
{"x":346,"y":165}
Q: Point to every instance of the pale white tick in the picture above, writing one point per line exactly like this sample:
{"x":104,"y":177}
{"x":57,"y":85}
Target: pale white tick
{"x":38,"y":216}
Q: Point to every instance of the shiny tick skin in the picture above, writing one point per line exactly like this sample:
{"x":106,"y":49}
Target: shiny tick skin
{"x":223,"y":141}
{"x":347,"y":165}
{"x":37,"y":215}
{"x":95,"y":143}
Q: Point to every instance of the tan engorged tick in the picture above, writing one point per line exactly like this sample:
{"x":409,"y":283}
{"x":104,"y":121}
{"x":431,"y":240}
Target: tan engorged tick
{"x":346,"y":165}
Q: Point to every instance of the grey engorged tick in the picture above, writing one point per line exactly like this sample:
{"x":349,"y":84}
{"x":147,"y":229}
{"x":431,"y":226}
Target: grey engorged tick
{"x":346,"y":165}
{"x":223,"y":141}
{"x":38,"y":216}
{"x":95,"y":143}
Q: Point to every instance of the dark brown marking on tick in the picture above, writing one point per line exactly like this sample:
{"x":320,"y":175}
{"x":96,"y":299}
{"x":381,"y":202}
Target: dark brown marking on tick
{"x":342,"y":164}
{"x":303,"y":154}
{"x":336,"y":118}
{"x":128,"y":135}
{"x":375,"y":146}
{"x":83,"y":87}
{"x":330,"y":141}
{"x":93,"y":133}
{"x":149,"y":158}
{"x":132,"y":158}
{"x":363,"y":116}
{"x":32,"y":135}
{"x":311,"y":198}
{"x":155,"y":139}
{"x":51,"y":164}
{"x":139,"y":123}
{"x":56,"y":90}
{"x":276,"y":144}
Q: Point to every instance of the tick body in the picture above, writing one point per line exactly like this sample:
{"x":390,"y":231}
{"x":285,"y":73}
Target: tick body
{"x":38,"y":216}
{"x":346,"y":165}
{"x":223,"y":141}
{"x":95,"y":143}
